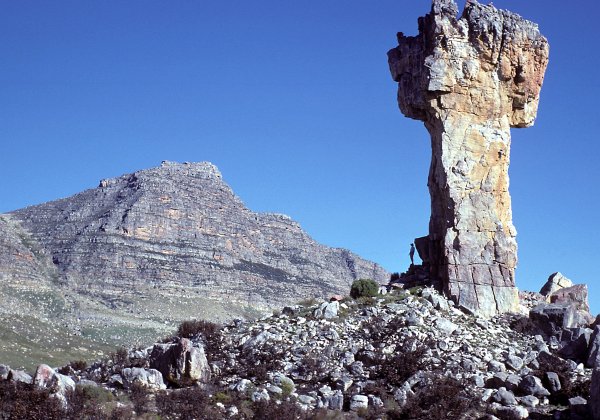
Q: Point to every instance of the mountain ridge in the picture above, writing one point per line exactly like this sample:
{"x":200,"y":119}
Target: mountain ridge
{"x":145,"y":250}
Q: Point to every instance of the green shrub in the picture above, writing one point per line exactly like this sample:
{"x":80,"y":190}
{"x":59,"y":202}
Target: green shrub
{"x":364,"y":287}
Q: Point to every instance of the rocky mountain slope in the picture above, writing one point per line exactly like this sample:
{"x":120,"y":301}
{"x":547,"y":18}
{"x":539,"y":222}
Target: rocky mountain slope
{"x":137,"y":254}
{"x":407,"y":354}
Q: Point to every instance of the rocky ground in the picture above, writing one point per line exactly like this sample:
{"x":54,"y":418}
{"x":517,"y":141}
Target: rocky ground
{"x":406,"y":354}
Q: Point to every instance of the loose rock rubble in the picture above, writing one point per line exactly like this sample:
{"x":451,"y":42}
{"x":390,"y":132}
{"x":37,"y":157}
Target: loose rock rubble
{"x":370,"y":355}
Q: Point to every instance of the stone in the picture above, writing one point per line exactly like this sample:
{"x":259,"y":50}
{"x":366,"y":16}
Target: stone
{"x":180,"y":361}
{"x":555,"y":282}
{"x":577,"y":295}
{"x":445,"y":326}
{"x":552,"y":318}
{"x":529,"y":401}
{"x":46,"y":377}
{"x":496,"y":366}
{"x":532,"y":385}
{"x":470,"y":80}
{"x":148,"y":378}
{"x":578,"y":406}
{"x":553,"y":382}
{"x":19,"y":376}
{"x":327,"y":310}
{"x":514,"y":362}
{"x":577,"y":347}
{"x":243,"y":385}
{"x":116,"y":381}
{"x":359,"y":401}
{"x":504,"y":397}
{"x":261,"y":395}
{"x":4,"y":371}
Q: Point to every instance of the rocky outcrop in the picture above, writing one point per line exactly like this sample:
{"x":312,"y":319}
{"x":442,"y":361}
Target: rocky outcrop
{"x":471,"y":79}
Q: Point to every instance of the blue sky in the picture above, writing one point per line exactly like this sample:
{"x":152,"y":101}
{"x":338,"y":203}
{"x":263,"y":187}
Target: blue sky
{"x":294,"y":103}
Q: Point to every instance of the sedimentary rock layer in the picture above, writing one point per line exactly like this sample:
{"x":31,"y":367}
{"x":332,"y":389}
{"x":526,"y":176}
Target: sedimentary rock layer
{"x":180,"y":225}
{"x":471,"y":79}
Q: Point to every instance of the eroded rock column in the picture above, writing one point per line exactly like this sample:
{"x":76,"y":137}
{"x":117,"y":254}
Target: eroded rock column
{"x":471,"y":79}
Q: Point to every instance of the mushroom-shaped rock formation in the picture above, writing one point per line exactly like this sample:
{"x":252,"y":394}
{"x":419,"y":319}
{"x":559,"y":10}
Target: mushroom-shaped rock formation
{"x":471,"y":79}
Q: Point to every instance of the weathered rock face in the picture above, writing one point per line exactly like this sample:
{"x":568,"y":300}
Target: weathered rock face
{"x":470,"y":80}
{"x":174,"y":240}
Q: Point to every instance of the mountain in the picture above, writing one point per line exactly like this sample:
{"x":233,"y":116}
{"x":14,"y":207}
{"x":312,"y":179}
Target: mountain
{"x":143,"y":251}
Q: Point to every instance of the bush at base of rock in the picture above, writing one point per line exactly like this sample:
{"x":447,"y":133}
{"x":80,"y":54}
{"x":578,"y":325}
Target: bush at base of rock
{"x":364,"y":287}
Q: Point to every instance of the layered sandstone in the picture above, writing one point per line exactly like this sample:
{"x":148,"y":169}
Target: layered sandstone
{"x":177,"y":237}
{"x":471,"y":79}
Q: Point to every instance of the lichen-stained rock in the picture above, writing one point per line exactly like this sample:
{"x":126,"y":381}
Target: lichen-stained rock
{"x":178,"y":232}
{"x":471,"y":79}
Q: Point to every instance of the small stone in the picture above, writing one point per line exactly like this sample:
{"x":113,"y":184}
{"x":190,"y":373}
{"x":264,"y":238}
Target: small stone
{"x":553,"y":382}
{"x":359,"y":401}
{"x":514,"y":362}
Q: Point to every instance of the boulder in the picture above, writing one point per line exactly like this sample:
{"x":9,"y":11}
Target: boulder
{"x":359,"y":401}
{"x":327,"y":310}
{"x":150,"y":378}
{"x":180,"y":362}
{"x":555,"y":282}
{"x":552,"y":318}
{"x":577,"y":295}
{"x":532,"y":385}
{"x":46,"y":377}
{"x":19,"y":376}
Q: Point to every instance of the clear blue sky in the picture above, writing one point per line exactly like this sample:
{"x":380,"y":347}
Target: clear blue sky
{"x":294,"y":103}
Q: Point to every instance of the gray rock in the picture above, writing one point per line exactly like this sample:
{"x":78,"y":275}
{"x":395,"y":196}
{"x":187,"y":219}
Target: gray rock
{"x":19,"y":376}
{"x":4,"y":371}
{"x":46,"y":377}
{"x":116,"y":380}
{"x":180,"y":361}
{"x":532,"y":385}
{"x":578,"y":406}
{"x":504,"y":397}
{"x":327,"y":310}
{"x":359,"y":401}
{"x":274,"y":389}
{"x":514,"y":362}
{"x":261,"y":395}
{"x":555,"y":282}
{"x":553,"y":382}
{"x":413,"y":319}
{"x":150,"y":378}
{"x":529,"y":401}
{"x":445,"y":326}
{"x":553,"y":318}
{"x":496,"y":366}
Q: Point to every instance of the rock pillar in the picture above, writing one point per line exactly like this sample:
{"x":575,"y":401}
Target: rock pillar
{"x":471,"y":79}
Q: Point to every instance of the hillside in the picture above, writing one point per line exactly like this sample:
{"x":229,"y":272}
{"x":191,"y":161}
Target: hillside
{"x":129,"y":259}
